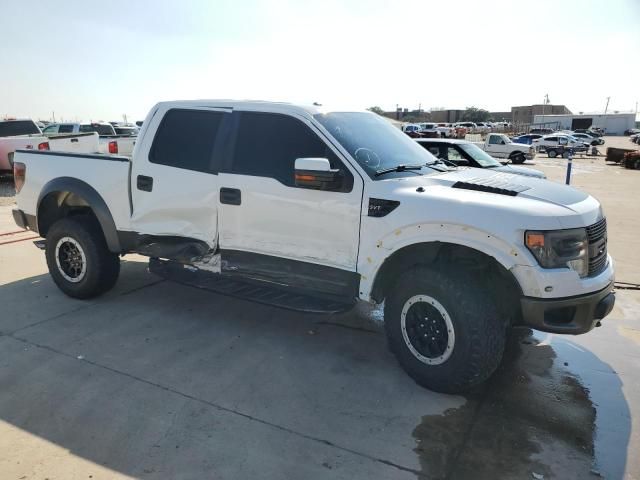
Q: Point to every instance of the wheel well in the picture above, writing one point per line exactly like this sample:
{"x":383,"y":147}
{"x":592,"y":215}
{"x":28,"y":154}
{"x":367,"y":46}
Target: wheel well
{"x":57,"y":205}
{"x":515,"y":154}
{"x":499,"y":281}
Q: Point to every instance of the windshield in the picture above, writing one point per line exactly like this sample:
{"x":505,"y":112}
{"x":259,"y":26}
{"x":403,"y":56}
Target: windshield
{"x":479,"y":155}
{"x":375,"y":144}
{"x":12,"y":128}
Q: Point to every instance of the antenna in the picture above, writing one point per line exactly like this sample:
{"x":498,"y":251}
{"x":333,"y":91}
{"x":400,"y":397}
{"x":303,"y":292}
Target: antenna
{"x":607,"y":106}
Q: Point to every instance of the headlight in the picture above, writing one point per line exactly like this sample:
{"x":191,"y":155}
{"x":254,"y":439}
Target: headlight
{"x":560,"y":248}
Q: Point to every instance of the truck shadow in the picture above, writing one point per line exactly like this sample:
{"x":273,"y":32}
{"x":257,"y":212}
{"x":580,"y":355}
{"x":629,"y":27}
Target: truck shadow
{"x":157,"y":380}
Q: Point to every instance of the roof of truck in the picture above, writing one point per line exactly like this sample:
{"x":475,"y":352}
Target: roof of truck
{"x":250,"y":105}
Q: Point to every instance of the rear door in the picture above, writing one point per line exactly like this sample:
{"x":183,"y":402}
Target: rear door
{"x":272,"y":229}
{"x":174,"y":182}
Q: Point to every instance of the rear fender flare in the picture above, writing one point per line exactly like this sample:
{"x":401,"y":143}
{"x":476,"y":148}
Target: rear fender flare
{"x":94,"y":201}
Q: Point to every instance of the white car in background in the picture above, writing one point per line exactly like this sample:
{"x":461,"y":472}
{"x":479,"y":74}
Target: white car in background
{"x":470,"y":126}
{"x":586,"y":138}
{"x":440,"y":129}
{"x":554,"y":142}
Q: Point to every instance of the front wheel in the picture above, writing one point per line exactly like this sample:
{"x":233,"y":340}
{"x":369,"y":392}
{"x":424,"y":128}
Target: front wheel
{"x":444,"y":329}
{"x":78,"y":258}
{"x":518,"y":158}
{"x":552,"y":153}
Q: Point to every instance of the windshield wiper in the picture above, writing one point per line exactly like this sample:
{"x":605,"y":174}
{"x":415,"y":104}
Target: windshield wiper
{"x":398,"y":168}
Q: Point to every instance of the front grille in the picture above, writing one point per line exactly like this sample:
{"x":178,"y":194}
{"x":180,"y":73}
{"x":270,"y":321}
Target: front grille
{"x":597,"y":236}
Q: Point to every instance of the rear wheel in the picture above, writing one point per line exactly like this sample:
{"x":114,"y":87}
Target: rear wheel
{"x":552,"y":153}
{"x":444,"y":329}
{"x":78,"y":258}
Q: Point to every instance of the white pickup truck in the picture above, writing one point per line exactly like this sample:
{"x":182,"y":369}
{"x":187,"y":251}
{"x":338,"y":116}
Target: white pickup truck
{"x":498,"y":145}
{"x":109,"y":142}
{"x":311,"y":209}
{"x":25,"y":135}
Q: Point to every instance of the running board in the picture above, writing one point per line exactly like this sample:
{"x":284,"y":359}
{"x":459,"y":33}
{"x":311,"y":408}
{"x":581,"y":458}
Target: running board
{"x":247,"y":289}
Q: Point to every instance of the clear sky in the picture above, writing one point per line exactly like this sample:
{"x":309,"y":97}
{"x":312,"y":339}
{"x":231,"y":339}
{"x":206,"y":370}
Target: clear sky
{"x":94,"y":60}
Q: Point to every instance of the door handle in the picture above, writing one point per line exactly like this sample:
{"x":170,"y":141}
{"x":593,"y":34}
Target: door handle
{"x":144,"y":183}
{"x":74,"y":140}
{"x":230,"y":196}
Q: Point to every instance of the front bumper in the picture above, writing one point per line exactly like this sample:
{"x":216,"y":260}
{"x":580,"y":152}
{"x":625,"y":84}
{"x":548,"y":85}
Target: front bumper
{"x":570,"y":315}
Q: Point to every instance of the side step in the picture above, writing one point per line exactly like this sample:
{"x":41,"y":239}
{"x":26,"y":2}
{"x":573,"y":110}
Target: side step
{"x":247,"y":289}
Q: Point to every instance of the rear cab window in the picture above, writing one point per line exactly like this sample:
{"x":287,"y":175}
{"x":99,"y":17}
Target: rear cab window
{"x":12,"y":128}
{"x":186,"y":139}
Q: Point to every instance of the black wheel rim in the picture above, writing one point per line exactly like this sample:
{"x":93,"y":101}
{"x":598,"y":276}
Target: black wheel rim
{"x":70,"y":259}
{"x":427,"y":330}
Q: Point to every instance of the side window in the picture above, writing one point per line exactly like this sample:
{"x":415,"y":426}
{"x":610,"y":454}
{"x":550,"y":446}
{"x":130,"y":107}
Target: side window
{"x":453,"y":154}
{"x":86,"y":128}
{"x":494,"y":140}
{"x":185,"y":139}
{"x":65,"y":129}
{"x":562,"y":141}
{"x":551,"y":139}
{"x":50,"y":129}
{"x":435,"y":151}
{"x":268,"y":145}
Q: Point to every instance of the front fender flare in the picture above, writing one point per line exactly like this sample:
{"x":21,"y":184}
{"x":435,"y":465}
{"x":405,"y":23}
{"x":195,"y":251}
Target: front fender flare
{"x":373,"y":257}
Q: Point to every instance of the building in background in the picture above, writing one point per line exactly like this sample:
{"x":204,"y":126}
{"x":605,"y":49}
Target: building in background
{"x":501,"y":117}
{"x":524,"y":115}
{"x":406,"y":115}
{"x":446,"y":116}
{"x":612,"y":123}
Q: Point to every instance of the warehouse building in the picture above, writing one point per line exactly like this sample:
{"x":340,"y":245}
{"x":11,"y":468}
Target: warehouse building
{"x":525,"y":114}
{"x":611,"y":123}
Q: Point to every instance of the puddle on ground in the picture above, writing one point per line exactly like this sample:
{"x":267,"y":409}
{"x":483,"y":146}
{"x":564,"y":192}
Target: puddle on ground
{"x":532,"y":417}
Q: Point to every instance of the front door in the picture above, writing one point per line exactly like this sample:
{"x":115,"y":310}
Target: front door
{"x":269,"y":228}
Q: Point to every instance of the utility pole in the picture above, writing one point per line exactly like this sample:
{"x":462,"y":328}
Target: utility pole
{"x":544,"y":103}
{"x":607,"y":106}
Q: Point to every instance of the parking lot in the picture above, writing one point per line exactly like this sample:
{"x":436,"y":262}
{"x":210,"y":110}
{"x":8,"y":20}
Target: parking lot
{"x":158,"y":380}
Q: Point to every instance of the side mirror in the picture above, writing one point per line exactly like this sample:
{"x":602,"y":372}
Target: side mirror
{"x":317,"y":174}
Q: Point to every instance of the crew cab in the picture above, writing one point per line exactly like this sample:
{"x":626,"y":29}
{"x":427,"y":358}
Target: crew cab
{"x":500,"y":146}
{"x":110,"y":141}
{"x":312,"y":209}
{"x":25,"y":134}
{"x":462,"y":153}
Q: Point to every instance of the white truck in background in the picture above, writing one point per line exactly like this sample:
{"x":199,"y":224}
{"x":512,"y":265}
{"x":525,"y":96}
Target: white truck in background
{"x":24,"y":134}
{"x":441,"y":130}
{"x":314,"y":210}
{"x":498,"y":145}
{"x":109,"y":141}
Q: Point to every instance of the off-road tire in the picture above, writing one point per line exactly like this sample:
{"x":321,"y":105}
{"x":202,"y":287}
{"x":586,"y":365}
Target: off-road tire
{"x":518,"y":158}
{"x":102,"y":266}
{"x":479,"y":331}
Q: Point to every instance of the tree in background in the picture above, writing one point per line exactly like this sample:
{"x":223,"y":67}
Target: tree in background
{"x":473,"y":114}
{"x":376,"y":109}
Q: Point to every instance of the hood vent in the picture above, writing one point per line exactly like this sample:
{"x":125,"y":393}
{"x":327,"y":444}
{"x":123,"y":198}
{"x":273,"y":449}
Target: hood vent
{"x":496,"y":184}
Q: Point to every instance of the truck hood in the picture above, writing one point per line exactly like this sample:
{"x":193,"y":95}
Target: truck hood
{"x":527,"y":172}
{"x":510,"y":185}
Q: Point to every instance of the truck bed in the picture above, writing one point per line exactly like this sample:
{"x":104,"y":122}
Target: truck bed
{"x":108,"y":175}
